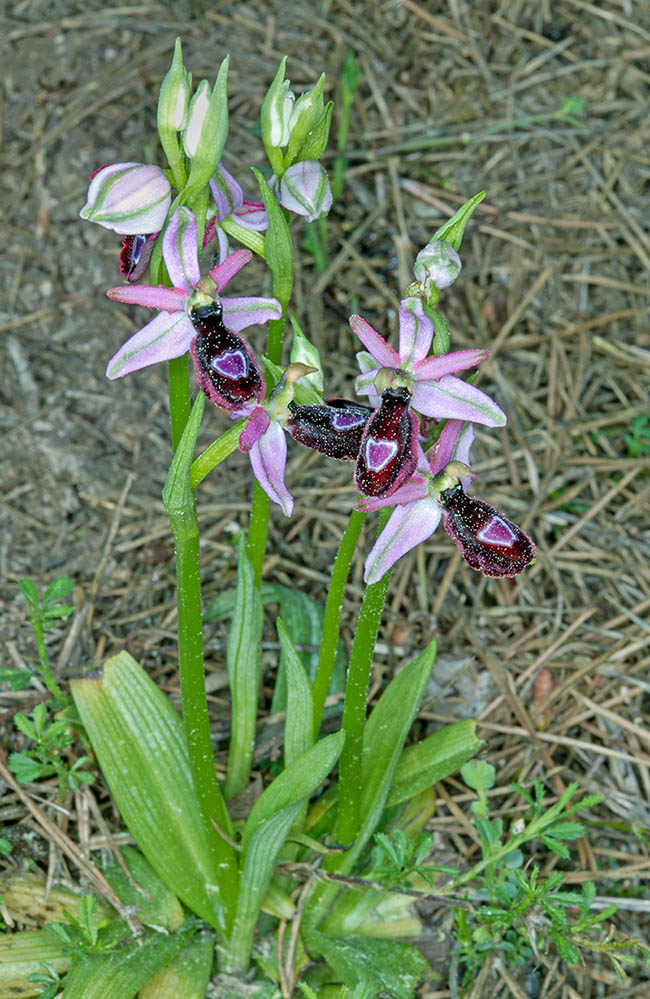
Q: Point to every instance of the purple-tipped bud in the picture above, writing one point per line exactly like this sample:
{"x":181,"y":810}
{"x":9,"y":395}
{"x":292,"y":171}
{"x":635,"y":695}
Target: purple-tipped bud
{"x":129,"y":198}
{"x":135,"y":255}
{"x":305,"y":190}
{"x":487,"y":540}
{"x":388,"y":452}
{"x":437,"y":266}
{"x":225,"y":367}
{"x":334,"y":429}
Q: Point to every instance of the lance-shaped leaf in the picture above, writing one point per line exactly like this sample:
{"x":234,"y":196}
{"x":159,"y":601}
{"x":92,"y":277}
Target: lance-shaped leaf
{"x":298,"y":734}
{"x":432,"y":759}
{"x":156,"y":905}
{"x":187,"y":975}
{"x":139,"y":741}
{"x":383,"y":740}
{"x":243,"y":660}
{"x":267,"y":828}
{"x":121,"y":973}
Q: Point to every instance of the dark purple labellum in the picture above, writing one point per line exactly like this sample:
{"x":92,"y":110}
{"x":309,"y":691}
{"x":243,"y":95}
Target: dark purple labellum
{"x":225,"y":367}
{"x":135,"y":255}
{"x":388,"y":452}
{"x":334,"y":429}
{"x":487,"y":540}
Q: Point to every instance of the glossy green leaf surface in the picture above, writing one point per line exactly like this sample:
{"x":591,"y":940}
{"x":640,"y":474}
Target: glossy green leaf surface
{"x":140,"y":744}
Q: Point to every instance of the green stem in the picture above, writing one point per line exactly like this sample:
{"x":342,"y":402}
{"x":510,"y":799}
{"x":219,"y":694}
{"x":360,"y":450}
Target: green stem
{"x":354,"y":709}
{"x":180,"y":504}
{"x":332,"y":618}
{"x":259,"y":519}
{"x":50,"y":682}
{"x":257,"y":530}
{"x":355,"y":703}
{"x":179,"y":396}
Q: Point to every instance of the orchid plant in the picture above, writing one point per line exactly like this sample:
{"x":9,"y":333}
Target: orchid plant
{"x":408,"y":440}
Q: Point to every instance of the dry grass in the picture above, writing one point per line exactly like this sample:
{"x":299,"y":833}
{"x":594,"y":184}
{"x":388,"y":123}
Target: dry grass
{"x":454,"y":97}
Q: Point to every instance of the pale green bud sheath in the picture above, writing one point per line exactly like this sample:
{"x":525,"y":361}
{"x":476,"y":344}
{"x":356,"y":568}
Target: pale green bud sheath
{"x":173,"y":102}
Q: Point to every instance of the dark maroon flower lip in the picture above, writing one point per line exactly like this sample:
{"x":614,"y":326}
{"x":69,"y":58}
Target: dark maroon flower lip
{"x":226,"y":369}
{"x":334,"y":428}
{"x":136,"y":254}
{"x":388,"y":452}
{"x":488,"y":541}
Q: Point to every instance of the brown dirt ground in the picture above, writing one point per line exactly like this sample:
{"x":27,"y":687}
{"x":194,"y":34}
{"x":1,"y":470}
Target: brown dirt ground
{"x":555,"y":284}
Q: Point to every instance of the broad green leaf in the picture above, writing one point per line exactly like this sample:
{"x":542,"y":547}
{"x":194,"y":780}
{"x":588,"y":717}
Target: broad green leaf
{"x":120,"y":973}
{"x":156,"y":904}
{"x":298,"y":726}
{"x":389,"y":965}
{"x":243,"y":660}
{"x":268,"y":826}
{"x":187,"y":975}
{"x":434,"y":758}
{"x":140,"y":744}
{"x":23,"y":954}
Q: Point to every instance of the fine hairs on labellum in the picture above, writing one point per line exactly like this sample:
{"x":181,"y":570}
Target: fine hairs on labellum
{"x":334,"y":428}
{"x":225,"y":367}
{"x":488,"y":541}
{"x":388,"y":452}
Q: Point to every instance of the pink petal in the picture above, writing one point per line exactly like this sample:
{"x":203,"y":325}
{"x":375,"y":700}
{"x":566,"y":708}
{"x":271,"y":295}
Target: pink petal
{"x":383,"y":353}
{"x":256,"y":426}
{"x":413,"y":490}
{"x":447,"y":364}
{"x":239,"y":313}
{"x":152,"y":297}
{"x":407,"y":527}
{"x":168,"y":335}
{"x":452,"y":398}
{"x":223,"y":272}
{"x":180,"y":249}
{"x":415,"y":332}
{"x":268,"y":459}
{"x":226,"y":203}
{"x":453,"y":444}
